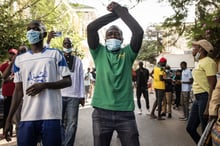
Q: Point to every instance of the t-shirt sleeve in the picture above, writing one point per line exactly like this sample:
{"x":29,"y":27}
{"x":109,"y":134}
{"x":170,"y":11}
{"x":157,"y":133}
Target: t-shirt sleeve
{"x":17,"y":71}
{"x":210,"y":69}
{"x":95,"y":52}
{"x":63,"y":69}
{"x":3,"y":67}
{"x":132,"y":54}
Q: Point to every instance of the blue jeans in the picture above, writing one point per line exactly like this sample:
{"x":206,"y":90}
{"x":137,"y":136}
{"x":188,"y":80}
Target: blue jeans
{"x":31,"y":131}
{"x":196,"y":116}
{"x":69,"y":120}
{"x":106,"y":121}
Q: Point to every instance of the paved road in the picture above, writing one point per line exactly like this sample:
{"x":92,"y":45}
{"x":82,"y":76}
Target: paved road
{"x":170,"y":132}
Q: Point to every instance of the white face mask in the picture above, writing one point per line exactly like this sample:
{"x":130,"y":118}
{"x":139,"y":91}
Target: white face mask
{"x":198,"y":54}
{"x":113,"y":44}
{"x":67,"y":50}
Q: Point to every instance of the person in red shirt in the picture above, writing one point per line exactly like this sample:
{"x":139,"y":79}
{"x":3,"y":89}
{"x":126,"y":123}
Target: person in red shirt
{"x":8,"y":84}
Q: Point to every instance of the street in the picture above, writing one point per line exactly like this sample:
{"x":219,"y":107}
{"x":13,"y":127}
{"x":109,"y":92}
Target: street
{"x":169,"y":132}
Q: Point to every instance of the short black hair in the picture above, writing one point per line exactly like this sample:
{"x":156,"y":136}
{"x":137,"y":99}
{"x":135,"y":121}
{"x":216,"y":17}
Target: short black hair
{"x":184,"y":63}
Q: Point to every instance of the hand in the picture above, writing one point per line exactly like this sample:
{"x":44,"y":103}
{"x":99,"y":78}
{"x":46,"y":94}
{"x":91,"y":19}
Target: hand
{"x":50,"y":36}
{"x":6,"y":130}
{"x":111,"y":6}
{"x":13,"y":59}
{"x":82,"y":102}
{"x":35,"y":89}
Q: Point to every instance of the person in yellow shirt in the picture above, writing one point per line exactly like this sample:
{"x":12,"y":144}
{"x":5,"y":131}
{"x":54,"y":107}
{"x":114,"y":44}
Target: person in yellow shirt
{"x":214,"y":113}
{"x":204,"y":81}
{"x":158,"y":76}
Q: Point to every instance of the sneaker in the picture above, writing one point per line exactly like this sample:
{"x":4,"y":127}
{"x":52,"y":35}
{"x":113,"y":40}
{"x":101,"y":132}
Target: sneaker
{"x":182,"y":117}
{"x":140,"y":112}
{"x":185,"y":119}
{"x":169,"y":116}
{"x":152,"y":116}
{"x":162,"y":114}
{"x":160,"y":118}
{"x":176,"y":108}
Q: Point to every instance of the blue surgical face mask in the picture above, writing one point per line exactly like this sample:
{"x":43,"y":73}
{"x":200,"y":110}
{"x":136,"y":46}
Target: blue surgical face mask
{"x":113,"y":44}
{"x":67,"y":50}
{"x":33,"y":36}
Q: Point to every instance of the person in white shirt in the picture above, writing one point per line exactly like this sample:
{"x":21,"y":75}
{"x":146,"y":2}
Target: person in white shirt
{"x":40,"y":73}
{"x":186,"y":85}
{"x":72,"y":96}
{"x":88,"y":82}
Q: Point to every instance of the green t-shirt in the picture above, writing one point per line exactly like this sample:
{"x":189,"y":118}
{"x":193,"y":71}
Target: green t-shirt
{"x":113,"y":87}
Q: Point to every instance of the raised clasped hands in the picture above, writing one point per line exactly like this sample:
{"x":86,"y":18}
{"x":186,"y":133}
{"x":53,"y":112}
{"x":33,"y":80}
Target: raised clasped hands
{"x":111,"y":6}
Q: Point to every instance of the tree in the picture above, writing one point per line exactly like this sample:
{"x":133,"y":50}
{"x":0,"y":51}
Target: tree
{"x":149,"y":51}
{"x":206,"y":24}
{"x":56,"y":15}
{"x":152,"y":44}
{"x":11,"y":28}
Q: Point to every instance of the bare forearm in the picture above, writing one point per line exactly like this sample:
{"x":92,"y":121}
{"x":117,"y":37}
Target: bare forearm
{"x":65,"y":82}
{"x":16,"y":100}
{"x":136,"y":29}
{"x":93,"y":27}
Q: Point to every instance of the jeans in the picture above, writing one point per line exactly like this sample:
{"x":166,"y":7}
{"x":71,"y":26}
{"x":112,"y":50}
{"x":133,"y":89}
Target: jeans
{"x":144,"y":91}
{"x":69,"y":120}
{"x":106,"y":121}
{"x":196,"y":116}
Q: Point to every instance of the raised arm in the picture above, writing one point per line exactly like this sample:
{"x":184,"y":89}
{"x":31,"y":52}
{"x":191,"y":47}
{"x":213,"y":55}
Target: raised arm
{"x":93,"y":27}
{"x":136,"y":29}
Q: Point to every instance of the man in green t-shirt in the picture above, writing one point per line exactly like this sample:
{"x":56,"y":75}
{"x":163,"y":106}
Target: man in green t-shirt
{"x":113,"y":96}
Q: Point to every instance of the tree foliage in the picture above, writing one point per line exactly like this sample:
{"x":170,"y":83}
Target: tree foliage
{"x":11,"y":28}
{"x":206,"y":24}
{"x":57,"y":15}
{"x":149,"y":51}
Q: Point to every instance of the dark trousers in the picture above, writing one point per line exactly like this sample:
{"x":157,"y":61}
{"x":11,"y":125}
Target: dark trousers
{"x":139,"y":92}
{"x":160,"y":93}
{"x":105,"y":122}
{"x":178,"y":95}
{"x":7,"y":105}
{"x":196,"y":116}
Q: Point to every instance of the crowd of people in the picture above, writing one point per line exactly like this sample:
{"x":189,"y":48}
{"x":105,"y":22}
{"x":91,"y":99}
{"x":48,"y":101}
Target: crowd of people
{"x":44,"y":87}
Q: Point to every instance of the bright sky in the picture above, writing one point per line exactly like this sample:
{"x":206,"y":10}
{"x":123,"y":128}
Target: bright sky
{"x":146,"y":13}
